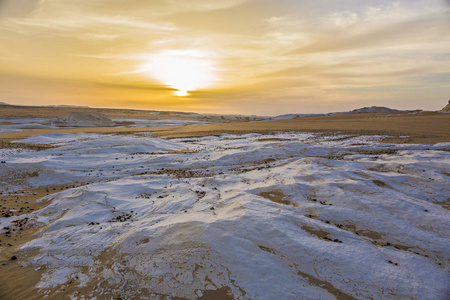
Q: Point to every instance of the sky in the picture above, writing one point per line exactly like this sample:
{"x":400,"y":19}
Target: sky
{"x":264,"y":57}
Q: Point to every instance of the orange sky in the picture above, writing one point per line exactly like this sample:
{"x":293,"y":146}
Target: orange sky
{"x":261,"y":57}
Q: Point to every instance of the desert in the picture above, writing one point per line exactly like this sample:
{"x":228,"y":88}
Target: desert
{"x":224,"y":150}
{"x":337,"y":206}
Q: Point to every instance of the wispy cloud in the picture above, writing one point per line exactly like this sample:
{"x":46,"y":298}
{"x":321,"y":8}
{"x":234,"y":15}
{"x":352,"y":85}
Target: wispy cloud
{"x":421,"y":30}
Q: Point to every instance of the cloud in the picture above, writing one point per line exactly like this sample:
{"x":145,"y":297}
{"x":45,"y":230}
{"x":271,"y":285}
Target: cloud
{"x":138,"y":8}
{"x":417,"y":31}
{"x":17,"y":8}
{"x":86,"y":22}
{"x":52,"y":81}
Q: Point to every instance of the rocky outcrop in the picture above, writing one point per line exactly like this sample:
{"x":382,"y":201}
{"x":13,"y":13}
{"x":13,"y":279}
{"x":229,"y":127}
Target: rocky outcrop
{"x":447,"y":107}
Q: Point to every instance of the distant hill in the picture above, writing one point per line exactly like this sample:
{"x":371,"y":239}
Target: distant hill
{"x":376,"y":109}
{"x":371,"y":109}
{"x":293,"y":116}
{"x":69,"y":106}
{"x":62,"y":106}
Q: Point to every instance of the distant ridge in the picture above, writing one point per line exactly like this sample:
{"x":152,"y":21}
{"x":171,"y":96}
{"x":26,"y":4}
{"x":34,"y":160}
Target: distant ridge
{"x":376,"y":109}
{"x":292,"y":116}
{"x":371,"y":109}
{"x":62,"y":106}
{"x":69,"y":106}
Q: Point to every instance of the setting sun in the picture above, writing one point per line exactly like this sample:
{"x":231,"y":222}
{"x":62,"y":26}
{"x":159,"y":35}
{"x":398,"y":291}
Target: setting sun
{"x":183,"y":70}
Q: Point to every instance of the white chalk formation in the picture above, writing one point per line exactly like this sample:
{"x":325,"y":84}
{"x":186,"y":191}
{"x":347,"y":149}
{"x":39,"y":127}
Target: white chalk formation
{"x":283,"y":216}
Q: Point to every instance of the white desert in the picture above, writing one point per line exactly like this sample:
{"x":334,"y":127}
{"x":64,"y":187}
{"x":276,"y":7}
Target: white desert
{"x":224,"y":150}
{"x":287,"y":209}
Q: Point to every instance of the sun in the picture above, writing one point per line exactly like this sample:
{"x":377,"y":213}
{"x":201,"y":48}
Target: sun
{"x":181,"y":93}
{"x":183,"y":70}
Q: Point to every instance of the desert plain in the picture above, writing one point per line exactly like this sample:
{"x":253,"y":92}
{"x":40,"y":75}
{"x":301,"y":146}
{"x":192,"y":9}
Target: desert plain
{"x":175,"y":205}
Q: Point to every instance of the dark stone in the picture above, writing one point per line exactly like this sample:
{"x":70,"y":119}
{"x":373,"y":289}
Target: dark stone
{"x":13,"y":257}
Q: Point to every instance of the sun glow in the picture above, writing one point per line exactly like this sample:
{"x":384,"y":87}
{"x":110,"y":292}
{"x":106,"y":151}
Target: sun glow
{"x":183,"y":70}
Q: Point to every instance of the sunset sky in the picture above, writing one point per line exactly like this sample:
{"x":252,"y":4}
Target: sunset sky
{"x":263,"y":57}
